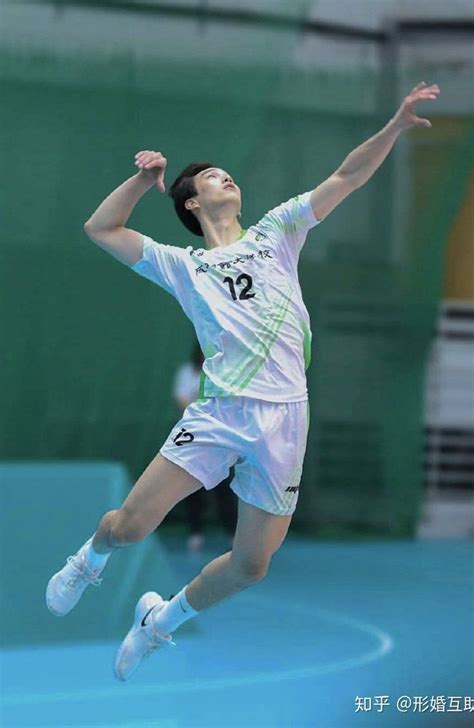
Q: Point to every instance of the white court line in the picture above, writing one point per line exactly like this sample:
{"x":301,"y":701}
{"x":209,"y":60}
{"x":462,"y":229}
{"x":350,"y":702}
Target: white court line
{"x":385,"y":645}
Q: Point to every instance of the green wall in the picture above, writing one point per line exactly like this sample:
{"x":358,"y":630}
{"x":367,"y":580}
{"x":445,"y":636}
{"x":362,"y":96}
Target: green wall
{"x":90,"y":349}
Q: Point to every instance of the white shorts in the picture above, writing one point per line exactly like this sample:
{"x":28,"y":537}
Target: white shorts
{"x":266,"y":442}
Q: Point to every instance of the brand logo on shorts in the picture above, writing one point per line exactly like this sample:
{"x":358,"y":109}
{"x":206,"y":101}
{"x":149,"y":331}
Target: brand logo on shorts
{"x":292,"y":489}
{"x":183,"y":437}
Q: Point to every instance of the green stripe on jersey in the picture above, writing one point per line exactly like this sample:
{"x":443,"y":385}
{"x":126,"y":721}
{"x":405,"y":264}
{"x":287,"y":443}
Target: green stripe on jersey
{"x":202,"y":384}
{"x":306,"y":344}
{"x":269,"y":345}
{"x":264,"y":338}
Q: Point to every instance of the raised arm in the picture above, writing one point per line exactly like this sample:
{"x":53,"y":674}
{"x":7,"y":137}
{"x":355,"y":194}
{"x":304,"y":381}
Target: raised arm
{"x":361,"y":163}
{"x":106,"y":226}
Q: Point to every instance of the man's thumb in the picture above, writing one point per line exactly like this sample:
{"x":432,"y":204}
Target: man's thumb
{"x":160,"y":182}
{"x":424,"y":122}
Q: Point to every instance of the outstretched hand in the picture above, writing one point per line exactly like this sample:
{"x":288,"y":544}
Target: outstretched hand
{"x":406,"y":114}
{"x":152,"y":166}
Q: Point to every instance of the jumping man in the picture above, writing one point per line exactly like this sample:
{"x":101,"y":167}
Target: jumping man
{"x":243,"y":296}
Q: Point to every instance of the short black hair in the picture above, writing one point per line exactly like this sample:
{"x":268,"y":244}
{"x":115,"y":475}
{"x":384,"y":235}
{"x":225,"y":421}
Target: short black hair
{"x":182,"y":189}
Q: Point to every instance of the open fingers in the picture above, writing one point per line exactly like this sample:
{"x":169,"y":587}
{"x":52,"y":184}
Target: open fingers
{"x":420,"y":85}
{"x":423,"y":91}
{"x":420,"y":96}
{"x":424,"y":85}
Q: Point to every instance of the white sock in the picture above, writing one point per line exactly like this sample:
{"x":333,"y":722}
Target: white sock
{"x":174,"y":613}
{"x":94,"y":560}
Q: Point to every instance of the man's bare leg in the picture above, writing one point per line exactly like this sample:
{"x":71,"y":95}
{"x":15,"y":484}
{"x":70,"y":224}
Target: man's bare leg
{"x":160,"y":487}
{"x":259,"y":534}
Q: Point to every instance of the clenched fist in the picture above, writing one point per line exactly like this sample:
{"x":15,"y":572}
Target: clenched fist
{"x":152,"y":166}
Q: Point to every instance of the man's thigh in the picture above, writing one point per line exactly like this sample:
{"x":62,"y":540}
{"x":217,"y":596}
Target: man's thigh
{"x":259,"y":534}
{"x":160,"y":487}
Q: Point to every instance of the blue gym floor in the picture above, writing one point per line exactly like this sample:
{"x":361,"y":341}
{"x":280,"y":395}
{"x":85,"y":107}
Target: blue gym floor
{"x":331,"y":621}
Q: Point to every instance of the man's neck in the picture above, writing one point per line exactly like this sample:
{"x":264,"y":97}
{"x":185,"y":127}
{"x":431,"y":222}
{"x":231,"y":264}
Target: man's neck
{"x":220,"y":233}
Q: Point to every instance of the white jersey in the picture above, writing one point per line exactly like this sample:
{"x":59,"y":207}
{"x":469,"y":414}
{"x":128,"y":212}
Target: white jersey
{"x":246,"y":305}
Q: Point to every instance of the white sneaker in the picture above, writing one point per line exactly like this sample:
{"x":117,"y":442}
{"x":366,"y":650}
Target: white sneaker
{"x":67,"y":586}
{"x":142,"y":639}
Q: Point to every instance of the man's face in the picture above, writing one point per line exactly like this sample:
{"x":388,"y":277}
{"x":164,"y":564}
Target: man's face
{"x":216,"y":188}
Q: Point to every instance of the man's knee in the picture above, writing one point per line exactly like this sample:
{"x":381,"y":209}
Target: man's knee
{"x":125,"y":528}
{"x":250,"y":571}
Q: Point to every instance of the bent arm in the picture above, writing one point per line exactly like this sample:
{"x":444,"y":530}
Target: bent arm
{"x":106,"y":226}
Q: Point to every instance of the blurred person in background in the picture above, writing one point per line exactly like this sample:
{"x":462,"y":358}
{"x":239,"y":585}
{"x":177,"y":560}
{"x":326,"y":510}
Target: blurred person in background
{"x":242,"y":294}
{"x":186,"y":390}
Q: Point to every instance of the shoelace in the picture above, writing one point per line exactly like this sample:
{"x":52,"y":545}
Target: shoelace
{"x":157,"y":641}
{"x":152,"y":647}
{"x":82,"y":572}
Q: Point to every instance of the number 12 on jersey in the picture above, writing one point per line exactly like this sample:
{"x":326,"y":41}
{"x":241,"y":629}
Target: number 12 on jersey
{"x":242,"y":280}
